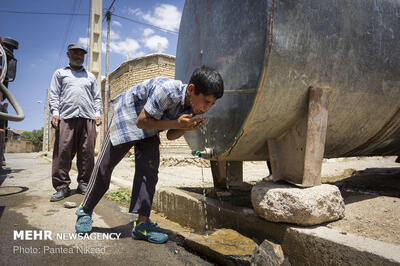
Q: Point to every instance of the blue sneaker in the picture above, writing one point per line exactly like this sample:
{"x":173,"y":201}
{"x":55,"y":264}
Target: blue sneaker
{"x":84,"y":222}
{"x":149,"y":231}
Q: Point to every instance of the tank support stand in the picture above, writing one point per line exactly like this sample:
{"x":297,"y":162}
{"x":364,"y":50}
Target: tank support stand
{"x":297,"y":155}
{"x":228,"y":175}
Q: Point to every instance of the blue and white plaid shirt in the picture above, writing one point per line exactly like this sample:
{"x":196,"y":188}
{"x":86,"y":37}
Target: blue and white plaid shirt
{"x":161,"y":97}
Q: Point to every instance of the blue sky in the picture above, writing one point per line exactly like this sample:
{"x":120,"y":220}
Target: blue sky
{"x":43,"y":40}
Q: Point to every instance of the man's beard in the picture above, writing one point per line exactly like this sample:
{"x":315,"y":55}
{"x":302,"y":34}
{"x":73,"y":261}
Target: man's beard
{"x":76,"y":63}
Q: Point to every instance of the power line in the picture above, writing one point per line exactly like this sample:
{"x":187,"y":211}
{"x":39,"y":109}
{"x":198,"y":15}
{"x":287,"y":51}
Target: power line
{"x":111,"y":5}
{"x":108,"y":11}
{"x":80,"y":14}
{"x":42,"y":13}
{"x":146,"y":24}
{"x":67,"y":33}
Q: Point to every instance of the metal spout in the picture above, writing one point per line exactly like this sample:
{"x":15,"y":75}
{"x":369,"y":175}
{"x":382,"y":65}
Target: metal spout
{"x":206,"y":154}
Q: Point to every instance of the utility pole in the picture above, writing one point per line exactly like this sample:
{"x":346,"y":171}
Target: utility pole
{"x":94,"y":65}
{"x":107,"y":112}
{"x":94,"y":53}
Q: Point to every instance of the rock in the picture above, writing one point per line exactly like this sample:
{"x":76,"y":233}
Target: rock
{"x":269,"y":253}
{"x":305,"y":206}
{"x":224,"y":246}
{"x":350,"y":172}
{"x":69,"y":204}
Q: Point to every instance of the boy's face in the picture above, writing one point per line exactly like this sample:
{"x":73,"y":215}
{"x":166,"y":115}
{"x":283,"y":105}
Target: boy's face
{"x":200,"y":103}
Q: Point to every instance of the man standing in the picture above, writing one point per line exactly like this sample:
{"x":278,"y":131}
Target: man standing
{"x":75,"y":104}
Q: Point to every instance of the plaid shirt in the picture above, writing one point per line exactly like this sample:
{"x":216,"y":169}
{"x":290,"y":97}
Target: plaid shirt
{"x":161,"y":97}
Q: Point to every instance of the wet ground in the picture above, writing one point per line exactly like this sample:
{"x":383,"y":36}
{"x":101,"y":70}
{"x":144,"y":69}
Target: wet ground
{"x":25,"y":190}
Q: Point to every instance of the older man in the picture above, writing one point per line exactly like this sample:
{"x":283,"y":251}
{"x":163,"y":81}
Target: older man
{"x":75,"y":104}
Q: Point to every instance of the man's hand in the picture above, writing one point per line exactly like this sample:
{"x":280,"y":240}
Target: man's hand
{"x":98,"y":121}
{"x":55,"y":121}
{"x":188,"y":122}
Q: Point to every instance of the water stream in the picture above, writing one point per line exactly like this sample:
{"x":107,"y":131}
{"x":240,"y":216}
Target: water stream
{"x":203,"y":131}
{"x":204,"y":199}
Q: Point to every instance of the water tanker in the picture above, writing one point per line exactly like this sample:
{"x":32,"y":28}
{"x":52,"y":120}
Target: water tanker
{"x":304,"y":79}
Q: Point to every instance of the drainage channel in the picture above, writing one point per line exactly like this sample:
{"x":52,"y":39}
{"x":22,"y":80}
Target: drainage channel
{"x":316,"y":245}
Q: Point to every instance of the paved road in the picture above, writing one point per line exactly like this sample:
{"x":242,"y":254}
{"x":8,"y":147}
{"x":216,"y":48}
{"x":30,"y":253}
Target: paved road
{"x":25,"y":190}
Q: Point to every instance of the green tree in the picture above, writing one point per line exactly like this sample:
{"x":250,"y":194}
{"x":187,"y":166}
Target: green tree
{"x":36,"y":136}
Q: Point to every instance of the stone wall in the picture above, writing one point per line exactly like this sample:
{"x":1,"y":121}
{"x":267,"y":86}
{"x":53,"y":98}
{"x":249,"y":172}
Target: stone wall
{"x":22,"y":146}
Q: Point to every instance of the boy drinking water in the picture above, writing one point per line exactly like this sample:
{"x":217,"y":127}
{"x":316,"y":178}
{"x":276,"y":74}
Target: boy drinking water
{"x":139,"y":114}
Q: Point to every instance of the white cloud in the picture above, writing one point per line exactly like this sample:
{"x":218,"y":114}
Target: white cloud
{"x":136,"y":11}
{"x":116,"y":23}
{"x":128,"y":46}
{"x":153,"y":41}
{"x":113,"y":35}
{"x":84,"y":41}
{"x":147,"y":32}
{"x":103,"y":47}
{"x":165,"y":16}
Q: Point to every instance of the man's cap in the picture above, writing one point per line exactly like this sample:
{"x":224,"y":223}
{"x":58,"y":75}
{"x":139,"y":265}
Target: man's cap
{"x":73,"y":46}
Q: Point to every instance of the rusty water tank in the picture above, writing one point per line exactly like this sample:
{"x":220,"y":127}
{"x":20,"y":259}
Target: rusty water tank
{"x":270,"y":52}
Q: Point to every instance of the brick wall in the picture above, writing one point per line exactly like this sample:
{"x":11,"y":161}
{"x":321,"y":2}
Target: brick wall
{"x":133,"y":72}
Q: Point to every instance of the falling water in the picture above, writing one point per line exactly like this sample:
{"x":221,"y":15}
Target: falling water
{"x":227,"y":176}
{"x":204,"y":199}
{"x":203,"y":131}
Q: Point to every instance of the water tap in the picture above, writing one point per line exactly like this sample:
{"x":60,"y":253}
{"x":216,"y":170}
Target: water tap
{"x":206,"y":154}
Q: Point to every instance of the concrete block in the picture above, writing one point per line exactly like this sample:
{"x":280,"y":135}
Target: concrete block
{"x":180,"y":207}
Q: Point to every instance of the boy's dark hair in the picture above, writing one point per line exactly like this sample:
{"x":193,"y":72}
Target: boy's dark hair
{"x":208,"y":81}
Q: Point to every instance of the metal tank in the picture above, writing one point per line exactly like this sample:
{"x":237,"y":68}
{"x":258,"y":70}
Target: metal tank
{"x":270,"y":53}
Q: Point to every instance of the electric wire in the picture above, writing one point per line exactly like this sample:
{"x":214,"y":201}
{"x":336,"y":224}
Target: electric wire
{"x":66,"y":36}
{"x":146,"y":24}
{"x":80,"y":14}
{"x":42,"y":13}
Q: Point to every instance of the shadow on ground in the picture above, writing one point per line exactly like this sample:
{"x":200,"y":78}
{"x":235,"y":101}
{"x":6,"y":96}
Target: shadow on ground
{"x":6,"y":172}
{"x":371,"y":182}
{"x":125,"y":230}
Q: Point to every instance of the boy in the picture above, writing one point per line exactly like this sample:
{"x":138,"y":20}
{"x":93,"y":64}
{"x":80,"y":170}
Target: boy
{"x":139,"y":114}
